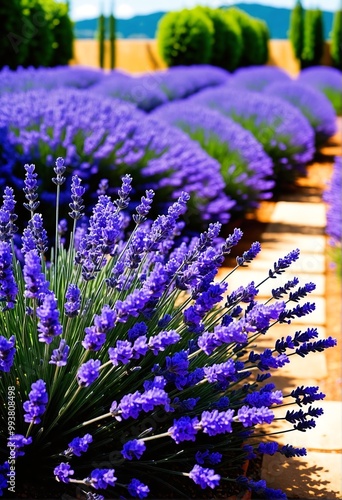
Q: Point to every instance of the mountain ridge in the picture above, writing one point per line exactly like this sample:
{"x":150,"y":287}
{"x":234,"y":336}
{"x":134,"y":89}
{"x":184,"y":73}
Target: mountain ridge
{"x":145,"y":26}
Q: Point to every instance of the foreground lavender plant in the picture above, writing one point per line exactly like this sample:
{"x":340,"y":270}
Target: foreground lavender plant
{"x":128,"y":365}
{"x":327,"y":80}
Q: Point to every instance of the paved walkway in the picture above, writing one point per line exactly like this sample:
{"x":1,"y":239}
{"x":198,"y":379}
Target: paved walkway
{"x":299,"y":220}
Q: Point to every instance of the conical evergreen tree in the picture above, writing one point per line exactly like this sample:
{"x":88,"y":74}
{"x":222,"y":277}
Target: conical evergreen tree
{"x":296,"y":29}
{"x":101,"y":39}
{"x":112,"y":39}
{"x":336,"y":40}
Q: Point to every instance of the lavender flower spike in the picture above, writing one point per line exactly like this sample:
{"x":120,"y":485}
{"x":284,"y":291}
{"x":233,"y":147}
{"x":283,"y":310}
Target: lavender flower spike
{"x":35,"y":406}
{"x":49,"y":326}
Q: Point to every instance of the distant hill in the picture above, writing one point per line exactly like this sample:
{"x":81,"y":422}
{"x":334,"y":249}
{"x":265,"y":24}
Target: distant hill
{"x":277,"y":19}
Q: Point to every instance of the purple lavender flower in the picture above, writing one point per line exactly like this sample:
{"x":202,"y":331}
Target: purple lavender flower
{"x":184,"y":429}
{"x":77,"y":191}
{"x":284,"y":132}
{"x":88,"y":372}
{"x":250,"y":254}
{"x":7,"y":353}
{"x":253,"y":416}
{"x":144,"y":207}
{"x":36,"y":285}
{"x":8,"y":286}
{"x":72,"y":301}
{"x":101,"y":478}
{"x":159,"y":342}
{"x":204,"y":477}
{"x":49,"y":326}
{"x":122,"y":353}
{"x":268,"y":448}
{"x":62,"y":472}
{"x":137,"y":489}
{"x":133,"y":449}
{"x":59,"y":356}
{"x":79,"y":445}
{"x":35,"y":406}
{"x":138,"y":330}
{"x":7,"y":215}
{"x":215,"y":422}
{"x":290,"y":451}
{"x":306,"y":395}
{"x":221,"y":372}
{"x":245,"y":167}
{"x":59,"y":171}
{"x":264,"y":398}
{"x":4,"y":470}
{"x":313,"y":104}
{"x":261,"y":489}
{"x":31,"y":187}
{"x":19,"y":441}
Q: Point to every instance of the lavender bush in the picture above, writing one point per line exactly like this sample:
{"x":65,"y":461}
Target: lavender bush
{"x":256,"y":78}
{"x":283,"y":131}
{"x":312,"y":103}
{"x":105,"y":138}
{"x":133,"y":371}
{"x":24,"y":79}
{"x":332,"y":196}
{"x":245,"y":167}
{"x":327,"y":80}
{"x":151,"y":90}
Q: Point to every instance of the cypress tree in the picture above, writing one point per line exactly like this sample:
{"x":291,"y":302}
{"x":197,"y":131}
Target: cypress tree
{"x":296,"y":29}
{"x":101,"y":39}
{"x":336,"y":40}
{"x":112,"y":38}
{"x":313,"y":38}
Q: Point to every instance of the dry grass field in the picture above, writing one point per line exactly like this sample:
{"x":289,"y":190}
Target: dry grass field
{"x":138,"y":56}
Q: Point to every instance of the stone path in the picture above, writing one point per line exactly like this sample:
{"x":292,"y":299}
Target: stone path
{"x":298,"y":220}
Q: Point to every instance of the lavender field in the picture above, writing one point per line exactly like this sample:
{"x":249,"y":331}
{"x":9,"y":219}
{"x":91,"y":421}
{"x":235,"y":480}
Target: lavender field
{"x":129,"y":367}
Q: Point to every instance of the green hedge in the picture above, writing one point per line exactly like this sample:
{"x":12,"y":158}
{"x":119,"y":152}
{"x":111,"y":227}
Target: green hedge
{"x":255,"y":37}
{"x":37,"y":33}
{"x":313,"y":41}
{"x":185,"y":37}
{"x":227,"y":39}
{"x":296,"y":30}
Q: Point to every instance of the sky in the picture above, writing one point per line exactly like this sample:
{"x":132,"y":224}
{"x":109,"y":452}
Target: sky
{"x":124,"y":9}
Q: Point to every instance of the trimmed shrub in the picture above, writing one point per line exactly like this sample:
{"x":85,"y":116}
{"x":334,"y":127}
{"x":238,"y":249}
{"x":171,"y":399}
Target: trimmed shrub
{"x":185,"y":37}
{"x":327,"y":80}
{"x":106,"y":138}
{"x":312,"y":103}
{"x":313,"y":42}
{"x":24,"y":79}
{"x":285,"y":134}
{"x":245,"y":167}
{"x":336,"y":37}
{"x":13,"y":43}
{"x":62,"y":30}
{"x":227,"y":39}
{"x":256,"y":78}
{"x":296,"y":30}
{"x":264,"y":36}
{"x":39,"y":35}
{"x":253,"y":52}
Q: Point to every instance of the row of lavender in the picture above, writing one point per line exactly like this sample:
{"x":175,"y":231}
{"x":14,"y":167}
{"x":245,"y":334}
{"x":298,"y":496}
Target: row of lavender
{"x":229,"y":140}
